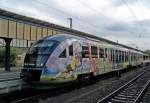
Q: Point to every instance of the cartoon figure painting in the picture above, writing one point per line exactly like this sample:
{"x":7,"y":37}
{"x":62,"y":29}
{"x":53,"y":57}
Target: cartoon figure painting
{"x":70,"y":64}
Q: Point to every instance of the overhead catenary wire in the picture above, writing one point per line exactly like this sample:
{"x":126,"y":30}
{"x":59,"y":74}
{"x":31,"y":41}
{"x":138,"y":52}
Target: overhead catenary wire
{"x":133,"y":14}
{"x":98,"y":12}
{"x":138,"y":21}
{"x":131,"y":11}
{"x":70,"y":15}
{"x":94,"y":10}
{"x":145,"y":15}
{"x":140,"y":8}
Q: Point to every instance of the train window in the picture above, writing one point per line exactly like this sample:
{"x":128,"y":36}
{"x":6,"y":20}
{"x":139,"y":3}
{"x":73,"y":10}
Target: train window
{"x":111,"y":51}
{"x":125,"y":56}
{"x":122,"y":56}
{"x":128,"y":56}
{"x":117,"y":56}
{"x":106,"y":52}
{"x":131,"y":56}
{"x":85,"y":52}
{"x":71,"y":50}
{"x":114,"y":56}
{"x":101,"y":53}
{"x":136,"y":57}
{"x":121,"y":60}
{"x":63,"y":54}
{"x":94,"y":51}
{"x":39,"y":52}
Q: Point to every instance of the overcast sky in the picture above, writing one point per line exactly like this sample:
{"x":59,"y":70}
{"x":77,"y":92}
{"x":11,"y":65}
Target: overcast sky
{"x":127,"y":21}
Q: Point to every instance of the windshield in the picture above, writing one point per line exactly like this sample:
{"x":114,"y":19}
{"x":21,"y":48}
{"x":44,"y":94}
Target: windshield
{"x":39,"y":53}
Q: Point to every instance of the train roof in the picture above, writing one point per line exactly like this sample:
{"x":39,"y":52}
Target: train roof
{"x":62,"y":37}
{"x":57,"y":37}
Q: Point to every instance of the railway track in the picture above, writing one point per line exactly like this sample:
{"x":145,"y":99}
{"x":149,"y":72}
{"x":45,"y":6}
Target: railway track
{"x":39,"y":95}
{"x":131,"y":92}
{"x":145,"y":95}
{"x":48,"y":94}
{"x":11,"y":84}
{"x":10,"y":79}
{"x":44,"y":94}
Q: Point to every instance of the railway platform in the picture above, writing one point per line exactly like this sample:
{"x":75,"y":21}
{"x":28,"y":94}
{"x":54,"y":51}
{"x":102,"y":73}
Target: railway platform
{"x":8,"y":75}
{"x":10,"y":81}
{"x":14,"y":73}
{"x":12,"y":69}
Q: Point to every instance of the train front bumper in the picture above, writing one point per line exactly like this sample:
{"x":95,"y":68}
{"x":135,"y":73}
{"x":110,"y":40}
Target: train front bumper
{"x":30,"y":74}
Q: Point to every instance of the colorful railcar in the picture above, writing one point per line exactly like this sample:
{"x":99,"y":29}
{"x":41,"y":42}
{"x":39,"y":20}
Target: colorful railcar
{"x":63,"y":58}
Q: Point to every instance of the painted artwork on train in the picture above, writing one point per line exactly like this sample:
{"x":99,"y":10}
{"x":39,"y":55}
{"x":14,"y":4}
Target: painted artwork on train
{"x":71,"y":56}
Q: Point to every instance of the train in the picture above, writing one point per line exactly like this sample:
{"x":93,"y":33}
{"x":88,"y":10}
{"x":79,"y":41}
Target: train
{"x":63,"y":58}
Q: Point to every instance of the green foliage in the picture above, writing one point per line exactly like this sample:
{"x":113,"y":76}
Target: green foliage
{"x":2,"y":56}
{"x":13,"y":54}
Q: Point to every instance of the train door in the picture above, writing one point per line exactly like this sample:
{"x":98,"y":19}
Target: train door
{"x":93,"y":59}
{"x":132,"y":59}
{"x":108,"y":63}
{"x":105,"y":60}
{"x":110,"y":59}
{"x":71,"y":61}
{"x":117,"y":59}
{"x":120,"y":59}
{"x":77,"y":55}
{"x":123,"y":59}
{"x":62,"y":64}
{"x":124,"y":64}
{"x":113,"y":59}
{"x":101,"y":60}
{"x":86,"y":65}
{"x":129,"y":59}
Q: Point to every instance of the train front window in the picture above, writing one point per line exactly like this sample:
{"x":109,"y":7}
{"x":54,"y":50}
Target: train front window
{"x":39,"y":53}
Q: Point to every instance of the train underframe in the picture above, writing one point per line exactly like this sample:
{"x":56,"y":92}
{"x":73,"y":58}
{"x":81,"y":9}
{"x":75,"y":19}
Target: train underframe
{"x":33,"y":77}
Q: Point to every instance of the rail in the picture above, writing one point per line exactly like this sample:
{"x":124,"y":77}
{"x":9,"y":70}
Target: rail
{"x":10,"y":84}
{"x":142,"y":92}
{"x":113,"y":94}
{"x":10,"y":79}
